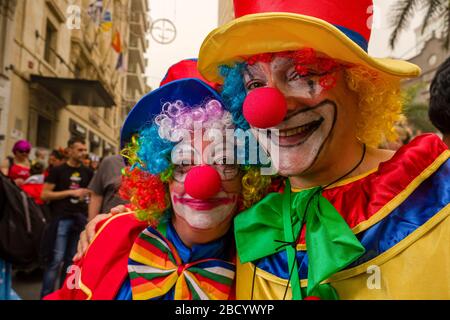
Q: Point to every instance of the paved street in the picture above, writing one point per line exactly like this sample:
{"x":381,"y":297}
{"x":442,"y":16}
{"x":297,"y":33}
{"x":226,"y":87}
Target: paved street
{"x":28,"y":285}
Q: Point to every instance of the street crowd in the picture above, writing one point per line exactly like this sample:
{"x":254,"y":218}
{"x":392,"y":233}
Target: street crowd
{"x":63,"y":187}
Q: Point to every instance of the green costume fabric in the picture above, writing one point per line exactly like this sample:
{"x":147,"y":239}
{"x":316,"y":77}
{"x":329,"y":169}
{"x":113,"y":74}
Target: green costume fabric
{"x":278,"y":218}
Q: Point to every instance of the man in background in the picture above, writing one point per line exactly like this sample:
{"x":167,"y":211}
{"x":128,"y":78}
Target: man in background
{"x":439,"y":111}
{"x":66,"y":190}
{"x":104,"y":186}
{"x":56,"y":158}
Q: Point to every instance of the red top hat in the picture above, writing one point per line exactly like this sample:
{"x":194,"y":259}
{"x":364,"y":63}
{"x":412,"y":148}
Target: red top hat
{"x":353,"y":17}
{"x":338,"y":28}
{"x":185,"y":69}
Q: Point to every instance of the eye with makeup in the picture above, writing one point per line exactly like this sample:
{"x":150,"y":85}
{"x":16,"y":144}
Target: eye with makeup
{"x":223,"y":159}
{"x":180,"y":171}
{"x":306,"y":75}
{"x":254,"y":84}
{"x":226,"y":167}
{"x":185,"y":154}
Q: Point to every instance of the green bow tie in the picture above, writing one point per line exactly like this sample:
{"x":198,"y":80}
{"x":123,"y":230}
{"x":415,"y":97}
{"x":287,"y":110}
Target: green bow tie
{"x":279,"y":217}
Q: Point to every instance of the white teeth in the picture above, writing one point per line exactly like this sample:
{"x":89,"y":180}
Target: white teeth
{"x":298,"y":130}
{"x":292,"y":132}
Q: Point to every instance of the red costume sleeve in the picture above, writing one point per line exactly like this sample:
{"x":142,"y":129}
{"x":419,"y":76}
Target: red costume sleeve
{"x":101,"y":272}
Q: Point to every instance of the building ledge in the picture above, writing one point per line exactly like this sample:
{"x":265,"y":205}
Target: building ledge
{"x":78,"y":92}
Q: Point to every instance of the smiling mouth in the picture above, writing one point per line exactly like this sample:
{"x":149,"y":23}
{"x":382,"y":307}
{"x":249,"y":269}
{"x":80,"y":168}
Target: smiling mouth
{"x":203,"y":205}
{"x":297,"y":136}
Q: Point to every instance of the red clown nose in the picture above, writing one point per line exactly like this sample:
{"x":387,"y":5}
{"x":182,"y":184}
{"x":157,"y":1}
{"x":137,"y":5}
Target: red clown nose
{"x":264,"y":107}
{"x":202,"y":182}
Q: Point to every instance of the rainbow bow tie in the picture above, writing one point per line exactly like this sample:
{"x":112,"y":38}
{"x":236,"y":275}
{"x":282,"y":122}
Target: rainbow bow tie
{"x":154,"y":268}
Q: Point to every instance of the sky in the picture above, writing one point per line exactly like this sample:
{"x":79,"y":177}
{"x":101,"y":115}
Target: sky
{"x":194,"y":19}
{"x":379,"y":42}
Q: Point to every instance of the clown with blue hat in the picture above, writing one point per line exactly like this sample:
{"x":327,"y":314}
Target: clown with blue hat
{"x":175,"y":242}
{"x":353,"y":221}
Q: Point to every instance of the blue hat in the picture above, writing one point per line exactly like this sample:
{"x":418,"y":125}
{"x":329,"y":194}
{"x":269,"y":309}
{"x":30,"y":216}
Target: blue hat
{"x":191,"y":91}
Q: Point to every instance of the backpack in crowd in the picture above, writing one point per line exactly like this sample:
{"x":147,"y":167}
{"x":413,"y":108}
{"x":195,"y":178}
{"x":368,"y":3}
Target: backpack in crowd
{"x":22,"y":225}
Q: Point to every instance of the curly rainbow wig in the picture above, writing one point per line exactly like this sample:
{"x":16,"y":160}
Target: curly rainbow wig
{"x":379,"y":95}
{"x":145,"y":180}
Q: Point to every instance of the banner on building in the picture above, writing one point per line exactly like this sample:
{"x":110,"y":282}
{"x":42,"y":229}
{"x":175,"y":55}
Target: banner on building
{"x":106,"y":24}
{"x":95,"y":11}
{"x":119,"y":65}
{"x":116,"y":42}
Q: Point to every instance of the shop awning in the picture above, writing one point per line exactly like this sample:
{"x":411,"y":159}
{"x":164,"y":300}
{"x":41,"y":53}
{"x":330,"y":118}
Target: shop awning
{"x":78,"y":92}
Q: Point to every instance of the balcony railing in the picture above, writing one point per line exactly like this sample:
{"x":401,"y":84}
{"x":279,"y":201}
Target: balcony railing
{"x":139,"y":23}
{"x":134,"y":42}
{"x":136,"y":77}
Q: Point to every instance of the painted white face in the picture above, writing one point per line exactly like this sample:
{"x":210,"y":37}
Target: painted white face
{"x":311,"y":117}
{"x":204,"y":214}
{"x":209,"y":213}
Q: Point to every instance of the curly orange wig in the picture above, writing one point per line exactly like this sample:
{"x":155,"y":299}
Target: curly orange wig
{"x":380,"y":104}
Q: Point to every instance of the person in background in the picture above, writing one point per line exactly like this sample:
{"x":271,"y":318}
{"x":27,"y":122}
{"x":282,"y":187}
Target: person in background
{"x":35,"y":183}
{"x":56,"y":158}
{"x":87,"y":161}
{"x":439,"y":111}
{"x":40,"y":155}
{"x":95,"y":162}
{"x":6,"y":290}
{"x":105,"y":185}
{"x":18,"y":167}
{"x":66,"y":189}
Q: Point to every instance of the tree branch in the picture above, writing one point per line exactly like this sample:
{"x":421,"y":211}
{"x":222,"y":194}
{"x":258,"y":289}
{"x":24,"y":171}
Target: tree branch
{"x":402,"y":12}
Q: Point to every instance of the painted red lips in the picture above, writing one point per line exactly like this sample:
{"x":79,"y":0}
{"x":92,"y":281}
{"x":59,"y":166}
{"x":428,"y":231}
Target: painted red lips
{"x":203,"y":205}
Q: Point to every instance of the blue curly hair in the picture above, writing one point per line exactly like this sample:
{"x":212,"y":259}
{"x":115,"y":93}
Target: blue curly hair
{"x":154,"y":152}
{"x":234,"y":93}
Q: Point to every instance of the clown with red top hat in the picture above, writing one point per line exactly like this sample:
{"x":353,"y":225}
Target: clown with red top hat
{"x":176,"y":242}
{"x":353,"y":221}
